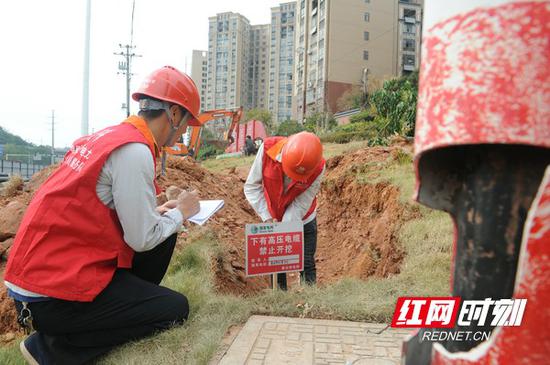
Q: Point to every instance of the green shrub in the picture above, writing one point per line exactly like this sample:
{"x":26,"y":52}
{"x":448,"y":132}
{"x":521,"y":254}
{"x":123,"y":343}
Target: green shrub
{"x":363,"y":116}
{"x":209,"y":150}
{"x":350,"y":132}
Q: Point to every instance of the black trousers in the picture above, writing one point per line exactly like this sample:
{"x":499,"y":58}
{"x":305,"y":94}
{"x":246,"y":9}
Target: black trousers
{"x":132,"y":306}
{"x":309,"y":275}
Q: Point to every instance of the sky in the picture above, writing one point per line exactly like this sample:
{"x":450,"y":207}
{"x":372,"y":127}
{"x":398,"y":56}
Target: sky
{"x":42,"y":56}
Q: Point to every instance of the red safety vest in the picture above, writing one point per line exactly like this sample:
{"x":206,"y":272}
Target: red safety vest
{"x":273,"y":180}
{"x":69,"y":243}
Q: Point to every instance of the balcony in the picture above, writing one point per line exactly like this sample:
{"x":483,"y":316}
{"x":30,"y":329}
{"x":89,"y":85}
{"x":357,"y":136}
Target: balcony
{"x":410,"y":20}
{"x":408,"y":67}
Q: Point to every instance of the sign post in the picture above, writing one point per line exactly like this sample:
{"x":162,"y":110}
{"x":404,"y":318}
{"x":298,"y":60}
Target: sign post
{"x":273,"y":248}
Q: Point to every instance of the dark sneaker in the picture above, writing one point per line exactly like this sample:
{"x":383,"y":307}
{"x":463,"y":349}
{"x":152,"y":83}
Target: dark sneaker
{"x":33,"y":351}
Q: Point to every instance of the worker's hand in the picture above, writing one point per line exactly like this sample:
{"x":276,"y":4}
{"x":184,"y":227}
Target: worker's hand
{"x":188,"y":203}
{"x":170,"y":204}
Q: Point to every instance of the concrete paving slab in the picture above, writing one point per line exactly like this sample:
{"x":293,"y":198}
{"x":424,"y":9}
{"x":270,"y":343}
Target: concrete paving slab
{"x":266,"y":340}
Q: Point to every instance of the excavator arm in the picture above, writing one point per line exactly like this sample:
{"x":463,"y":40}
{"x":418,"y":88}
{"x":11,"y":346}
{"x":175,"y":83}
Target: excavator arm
{"x":193,"y":148}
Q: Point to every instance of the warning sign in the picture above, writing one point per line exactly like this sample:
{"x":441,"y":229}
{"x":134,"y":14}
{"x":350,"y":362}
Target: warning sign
{"x":274,"y":247}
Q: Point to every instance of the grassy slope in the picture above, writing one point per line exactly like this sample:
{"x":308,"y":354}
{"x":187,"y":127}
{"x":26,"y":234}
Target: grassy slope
{"x":425,"y":271}
{"x":330,"y":150}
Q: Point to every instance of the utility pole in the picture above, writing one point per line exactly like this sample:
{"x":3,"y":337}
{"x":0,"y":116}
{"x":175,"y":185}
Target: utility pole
{"x":125,"y":66}
{"x":365,"y":81}
{"x":53,"y":136}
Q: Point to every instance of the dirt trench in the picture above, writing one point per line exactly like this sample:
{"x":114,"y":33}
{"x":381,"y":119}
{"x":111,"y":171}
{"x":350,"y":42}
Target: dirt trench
{"x":357,"y":223}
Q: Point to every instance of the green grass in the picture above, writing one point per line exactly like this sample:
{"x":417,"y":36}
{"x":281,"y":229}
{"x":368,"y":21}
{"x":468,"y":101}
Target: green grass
{"x":10,"y":355}
{"x":219,"y":165}
{"x":334,"y":149}
{"x":425,"y":270}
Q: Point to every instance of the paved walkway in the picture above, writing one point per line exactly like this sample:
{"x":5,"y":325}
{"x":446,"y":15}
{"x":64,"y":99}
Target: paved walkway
{"x":281,"y":340}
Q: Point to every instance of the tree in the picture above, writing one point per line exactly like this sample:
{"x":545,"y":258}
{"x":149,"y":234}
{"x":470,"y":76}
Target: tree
{"x":289,"y":127}
{"x":395,"y":106}
{"x":262,"y":115}
{"x":8,"y":138}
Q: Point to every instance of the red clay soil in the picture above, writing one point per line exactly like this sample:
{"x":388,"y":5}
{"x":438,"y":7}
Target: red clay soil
{"x":357,"y":223}
{"x":8,"y":315}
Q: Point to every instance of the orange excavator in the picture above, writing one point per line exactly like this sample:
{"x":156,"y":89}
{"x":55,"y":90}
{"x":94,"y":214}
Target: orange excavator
{"x":180,"y":149}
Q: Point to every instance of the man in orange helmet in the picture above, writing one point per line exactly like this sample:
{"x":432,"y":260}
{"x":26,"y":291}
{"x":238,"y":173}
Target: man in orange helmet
{"x":282,"y":186}
{"x":92,"y":248}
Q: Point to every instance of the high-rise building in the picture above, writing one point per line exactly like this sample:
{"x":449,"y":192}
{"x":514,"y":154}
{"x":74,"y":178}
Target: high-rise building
{"x":258,"y":67}
{"x":281,"y":61}
{"x":252,"y":65}
{"x":228,"y":59}
{"x":340,"y":43}
{"x":409,"y":35}
{"x":199,"y":73}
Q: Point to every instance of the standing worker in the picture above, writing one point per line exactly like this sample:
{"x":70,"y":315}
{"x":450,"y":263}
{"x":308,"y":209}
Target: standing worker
{"x":92,"y":248}
{"x":282,"y":186}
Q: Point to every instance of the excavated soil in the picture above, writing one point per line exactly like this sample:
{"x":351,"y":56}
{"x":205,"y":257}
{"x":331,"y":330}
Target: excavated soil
{"x":357,"y":223}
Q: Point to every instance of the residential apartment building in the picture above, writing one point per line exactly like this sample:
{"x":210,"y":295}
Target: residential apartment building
{"x":258,"y":67}
{"x":281,"y":61}
{"x":252,"y":65}
{"x":340,"y":43}
{"x":409,"y":35}
{"x":228,"y":61}
{"x":199,"y":73}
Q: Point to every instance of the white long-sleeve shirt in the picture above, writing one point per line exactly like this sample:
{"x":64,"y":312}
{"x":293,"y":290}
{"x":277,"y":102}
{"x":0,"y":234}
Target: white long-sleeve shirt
{"x":254,"y":192}
{"x":125,"y":184}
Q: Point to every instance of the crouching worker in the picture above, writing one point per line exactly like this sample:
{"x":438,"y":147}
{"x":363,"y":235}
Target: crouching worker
{"x":282,"y":186}
{"x":92,"y":248}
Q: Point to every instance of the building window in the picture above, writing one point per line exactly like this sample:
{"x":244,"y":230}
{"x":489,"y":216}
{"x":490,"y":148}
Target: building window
{"x":367,"y":17}
{"x":410,"y":28}
{"x":408,"y":60}
{"x":367,"y":1}
{"x":366,"y":36}
{"x":365,"y":55}
{"x":409,"y":13}
{"x":409,"y":45}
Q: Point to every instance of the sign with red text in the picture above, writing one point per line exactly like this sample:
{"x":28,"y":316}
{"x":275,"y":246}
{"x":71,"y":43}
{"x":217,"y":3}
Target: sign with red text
{"x":274,"y":248}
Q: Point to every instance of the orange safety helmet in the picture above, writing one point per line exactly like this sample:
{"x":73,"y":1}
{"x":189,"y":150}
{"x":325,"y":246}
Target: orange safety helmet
{"x":301,"y":154}
{"x":169,"y":84}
